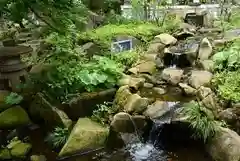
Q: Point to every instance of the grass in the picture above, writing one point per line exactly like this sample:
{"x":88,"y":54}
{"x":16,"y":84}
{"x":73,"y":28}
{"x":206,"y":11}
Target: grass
{"x":201,"y":120}
{"x":58,"y":137}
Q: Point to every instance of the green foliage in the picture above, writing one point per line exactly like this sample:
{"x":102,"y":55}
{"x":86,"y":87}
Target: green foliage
{"x":228,"y":85}
{"x":201,"y":120}
{"x":103,"y":112}
{"x":229,"y":58}
{"x":57,"y":14}
{"x":58,"y":137}
{"x":127,"y":58}
{"x":104,"y":35}
{"x":13,"y":99}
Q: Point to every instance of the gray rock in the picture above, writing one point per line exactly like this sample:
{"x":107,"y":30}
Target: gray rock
{"x":86,"y":135}
{"x":91,"y":49}
{"x":38,"y":158}
{"x":157,"y":110}
{"x":200,"y":78}
{"x":134,"y":83}
{"x":225,"y":146}
{"x":155,"y":47}
{"x":124,"y":123}
{"x":207,"y":65}
{"x":136,"y":104}
{"x":148,"y":85}
{"x":205,"y":49}
{"x":172,"y":76}
{"x":146,"y":67}
{"x":14,"y":117}
{"x":41,"y":108}
{"x":188,"y":90}
{"x":121,"y":97}
{"x":159,"y":91}
{"x":166,"y":39}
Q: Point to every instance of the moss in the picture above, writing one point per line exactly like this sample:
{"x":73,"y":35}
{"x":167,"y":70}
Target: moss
{"x":86,"y":135}
{"x":5,"y":154}
{"x":104,"y":35}
{"x":20,"y":150}
{"x":13,"y":117}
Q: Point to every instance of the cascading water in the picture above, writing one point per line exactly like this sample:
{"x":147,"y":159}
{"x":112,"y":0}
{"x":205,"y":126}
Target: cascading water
{"x":151,"y":149}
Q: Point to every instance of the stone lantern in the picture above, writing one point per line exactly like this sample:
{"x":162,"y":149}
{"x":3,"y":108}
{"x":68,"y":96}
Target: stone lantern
{"x":12,"y":69}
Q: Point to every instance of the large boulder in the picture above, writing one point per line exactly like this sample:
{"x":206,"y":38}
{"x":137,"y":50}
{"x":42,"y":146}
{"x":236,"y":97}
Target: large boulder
{"x":13,"y":117}
{"x":172,"y":76}
{"x":42,"y":109}
{"x":205,"y":49}
{"x":19,"y":149}
{"x":207,"y":65}
{"x":136,"y":104}
{"x":146,"y":67}
{"x":5,"y":154}
{"x":134,"y":83}
{"x":188,"y":90}
{"x":86,"y":135}
{"x":225,"y":146}
{"x":90,"y":49}
{"x":155,"y":47}
{"x":166,"y":39}
{"x":121,"y":97}
{"x":209,"y":99}
{"x":200,"y":78}
{"x":125,"y":123}
{"x":157,"y":110}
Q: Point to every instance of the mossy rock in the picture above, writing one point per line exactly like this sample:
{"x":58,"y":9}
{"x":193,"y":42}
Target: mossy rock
{"x":20,"y":150}
{"x":13,"y":117}
{"x":104,"y":35}
{"x":86,"y":135}
{"x":5,"y":154}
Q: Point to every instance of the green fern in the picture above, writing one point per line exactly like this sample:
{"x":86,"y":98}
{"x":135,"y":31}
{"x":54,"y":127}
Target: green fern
{"x":201,"y":121}
{"x":58,"y":137}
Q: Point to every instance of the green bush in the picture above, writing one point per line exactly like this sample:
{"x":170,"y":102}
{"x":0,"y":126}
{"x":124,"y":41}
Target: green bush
{"x":229,"y":58}
{"x":127,"y":58}
{"x":201,"y":120}
{"x":72,"y":73}
{"x":103,"y":35}
{"x":227,"y":84}
{"x":58,"y":137}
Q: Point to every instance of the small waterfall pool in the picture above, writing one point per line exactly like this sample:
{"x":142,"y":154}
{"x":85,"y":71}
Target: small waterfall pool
{"x":163,"y":140}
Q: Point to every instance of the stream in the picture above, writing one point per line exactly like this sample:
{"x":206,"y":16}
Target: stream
{"x":163,"y":141}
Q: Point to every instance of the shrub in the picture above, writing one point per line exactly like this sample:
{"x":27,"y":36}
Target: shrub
{"x":103,"y":35}
{"x":103,"y":112}
{"x":201,"y":120}
{"x":227,"y":84}
{"x":229,"y":58}
{"x":13,"y":99}
{"x":58,"y":137}
{"x":126,"y":58}
{"x":71,"y":72}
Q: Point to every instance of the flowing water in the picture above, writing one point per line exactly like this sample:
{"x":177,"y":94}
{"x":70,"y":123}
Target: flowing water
{"x":163,"y":142}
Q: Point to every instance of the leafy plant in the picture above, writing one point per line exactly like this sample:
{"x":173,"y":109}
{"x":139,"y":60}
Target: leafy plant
{"x":58,"y":137}
{"x":201,"y":120}
{"x":127,"y":58}
{"x":102,"y":113}
{"x":13,"y":99}
{"x":227,"y":84}
{"x":229,"y":58}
